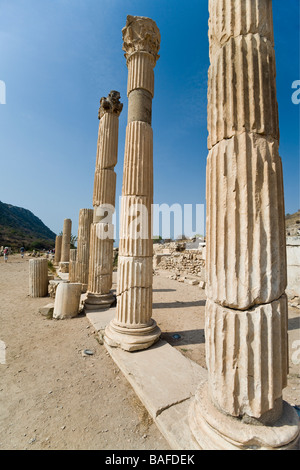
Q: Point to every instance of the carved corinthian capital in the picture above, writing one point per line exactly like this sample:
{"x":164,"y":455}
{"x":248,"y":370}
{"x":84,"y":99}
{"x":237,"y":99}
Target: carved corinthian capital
{"x":141,"y":35}
{"x":111,"y":104}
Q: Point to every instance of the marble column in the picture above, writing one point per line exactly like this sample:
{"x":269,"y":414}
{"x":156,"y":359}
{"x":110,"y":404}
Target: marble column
{"x":66,"y":242}
{"x":99,"y":295}
{"x":72,"y":265}
{"x":67,"y":300}
{"x":57,"y":256}
{"x":241,"y":406}
{"x":38,"y":277}
{"x":133,"y":328}
{"x":83,"y":247}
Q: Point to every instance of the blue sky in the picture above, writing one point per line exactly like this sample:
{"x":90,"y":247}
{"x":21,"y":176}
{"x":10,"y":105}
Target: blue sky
{"x":59,"y":57}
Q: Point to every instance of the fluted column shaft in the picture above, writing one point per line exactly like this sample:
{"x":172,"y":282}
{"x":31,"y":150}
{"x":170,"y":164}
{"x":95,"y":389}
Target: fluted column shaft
{"x":102,"y":230}
{"x":246,"y":309}
{"x":83,"y":247}
{"x":38,"y":277}
{"x":133,"y":328}
{"x":72,"y":265}
{"x":66,"y":241}
{"x":58,"y":242}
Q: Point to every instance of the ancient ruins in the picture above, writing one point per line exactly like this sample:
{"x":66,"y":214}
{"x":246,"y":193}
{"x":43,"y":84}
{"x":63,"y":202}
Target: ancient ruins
{"x":238,"y":403}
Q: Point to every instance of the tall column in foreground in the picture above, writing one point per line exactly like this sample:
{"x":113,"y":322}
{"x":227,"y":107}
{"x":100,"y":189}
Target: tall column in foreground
{"x":83,"y":247}
{"x":241,"y":406}
{"x":133,"y":328}
{"x":102,"y":231}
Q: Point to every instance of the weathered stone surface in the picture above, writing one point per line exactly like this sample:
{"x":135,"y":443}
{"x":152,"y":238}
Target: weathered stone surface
{"x":107,"y":147}
{"x":135,"y":227}
{"x":101,"y":260}
{"x":38,"y":277}
{"x":138,"y":172}
{"x":215,"y":430}
{"x":52,"y":286}
{"x":66,"y":241}
{"x":83,"y":247}
{"x":133,"y":328}
{"x":233,"y":18}
{"x":104,"y":187}
{"x":256,"y":384}
{"x":134,"y":272}
{"x":141,"y":43}
{"x":102,"y":230}
{"x":64,"y":266}
{"x":110,"y":105}
{"x":47,"y":310}
{"x":58,"y":242}
{"x":67,"y":300}
{"x":246,"y":255}
{"x":242,"y":90}
{"x":149,"y":374}
{"x":72,"y":265}
{"x":241,"y":406}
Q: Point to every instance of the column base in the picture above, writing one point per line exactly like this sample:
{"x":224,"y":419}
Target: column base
{"x":131,"y":339}
{"x":213,"y":430}
{"x":98,"y":302}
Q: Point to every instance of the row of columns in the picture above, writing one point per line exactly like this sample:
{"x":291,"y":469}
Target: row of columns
{"x":241,"y":405}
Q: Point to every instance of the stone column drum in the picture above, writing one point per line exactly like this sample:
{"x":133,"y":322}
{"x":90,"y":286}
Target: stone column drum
{"x":83,"y":247}
{"x":38,"y":277}
{"x":67,"y":300}
{"x":57,"y":256}
{"x":99,"y":293}
{"x":241,"y":406}
{"x":72,"y":265}
{"x":66,"y":241}
{"x":133,"y":328}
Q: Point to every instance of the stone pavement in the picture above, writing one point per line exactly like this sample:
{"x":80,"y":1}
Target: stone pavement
{"x":163,"y":379}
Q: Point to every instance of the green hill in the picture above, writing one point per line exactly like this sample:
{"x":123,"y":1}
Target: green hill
{"x":20,"y":227}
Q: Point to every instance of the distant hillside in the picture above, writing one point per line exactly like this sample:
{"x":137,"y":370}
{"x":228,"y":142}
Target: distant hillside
{"x":292,"y":224}
{"x":20,"y":227}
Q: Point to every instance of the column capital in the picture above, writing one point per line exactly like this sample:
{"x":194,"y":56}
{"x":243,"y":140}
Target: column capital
{"x":141,"y":34}
{"x":110,"y":104}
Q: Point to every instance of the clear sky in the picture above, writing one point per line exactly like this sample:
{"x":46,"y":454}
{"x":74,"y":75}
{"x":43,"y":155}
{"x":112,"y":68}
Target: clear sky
{"x":59,"y":57}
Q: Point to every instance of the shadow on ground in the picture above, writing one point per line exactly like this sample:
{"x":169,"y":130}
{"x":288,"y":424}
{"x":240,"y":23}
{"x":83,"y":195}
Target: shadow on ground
{"x":184,"y":338}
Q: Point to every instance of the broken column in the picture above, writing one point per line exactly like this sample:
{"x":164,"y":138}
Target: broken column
{"x":83,"y":247}
{"x":57,"y":256}
{"x":67,"y":300}
{"x":133,"y":328}
{"x":38,"y":277}
{"x":99,"y":293}
{"x":65,"y":246}
{"x":241,"y":406}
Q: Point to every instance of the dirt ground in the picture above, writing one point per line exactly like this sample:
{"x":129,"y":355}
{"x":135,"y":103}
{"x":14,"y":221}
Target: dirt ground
{"x":54,"y":398}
